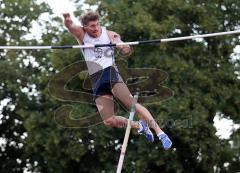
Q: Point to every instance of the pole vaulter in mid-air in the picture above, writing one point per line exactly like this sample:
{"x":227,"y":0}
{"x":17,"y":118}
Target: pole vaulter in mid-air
{"x":106,"y":79}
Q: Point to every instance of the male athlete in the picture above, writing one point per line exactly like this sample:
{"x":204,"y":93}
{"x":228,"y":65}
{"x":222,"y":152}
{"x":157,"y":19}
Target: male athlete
{"x":105,"y":77}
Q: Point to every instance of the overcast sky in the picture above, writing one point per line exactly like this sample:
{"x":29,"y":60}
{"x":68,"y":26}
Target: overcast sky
{"x":60,"y":6}
{"x":63,"y":6}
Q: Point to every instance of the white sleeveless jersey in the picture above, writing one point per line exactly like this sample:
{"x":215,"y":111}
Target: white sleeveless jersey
{"x":101,"y":57}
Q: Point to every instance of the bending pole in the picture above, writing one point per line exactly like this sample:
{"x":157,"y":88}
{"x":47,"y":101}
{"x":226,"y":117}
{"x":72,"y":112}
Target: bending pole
{"x":127,"y":133}
{"x":122,"y":44}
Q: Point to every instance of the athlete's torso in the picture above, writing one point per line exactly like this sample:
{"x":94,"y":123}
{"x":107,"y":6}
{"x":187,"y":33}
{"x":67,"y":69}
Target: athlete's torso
{"x":101,"y":57}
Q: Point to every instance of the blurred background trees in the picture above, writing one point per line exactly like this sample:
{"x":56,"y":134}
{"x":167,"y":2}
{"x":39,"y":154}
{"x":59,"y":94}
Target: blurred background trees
{"x":203,"y":74}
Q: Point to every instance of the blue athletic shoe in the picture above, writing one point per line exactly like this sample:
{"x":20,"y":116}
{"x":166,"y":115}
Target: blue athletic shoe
{"x":166,"y":142}
{"x":144,"y":130}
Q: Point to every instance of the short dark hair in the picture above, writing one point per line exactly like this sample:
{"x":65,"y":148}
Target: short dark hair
{"x":89,"y":16}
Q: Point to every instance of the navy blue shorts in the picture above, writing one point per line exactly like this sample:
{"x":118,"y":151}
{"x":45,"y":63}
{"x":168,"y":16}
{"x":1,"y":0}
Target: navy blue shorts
{"x":104,"y":80}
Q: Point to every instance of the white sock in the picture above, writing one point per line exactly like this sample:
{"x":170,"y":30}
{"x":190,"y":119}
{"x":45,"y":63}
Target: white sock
{"x":140,"y":127}
{"x":160,"y":133}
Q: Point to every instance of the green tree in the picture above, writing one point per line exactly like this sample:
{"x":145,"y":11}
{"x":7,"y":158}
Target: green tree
{"x":201,"y":73}
{"x":20,"y":86}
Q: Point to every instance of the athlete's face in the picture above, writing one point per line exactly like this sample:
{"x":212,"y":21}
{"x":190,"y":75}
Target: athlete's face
{"x":93,"y":28}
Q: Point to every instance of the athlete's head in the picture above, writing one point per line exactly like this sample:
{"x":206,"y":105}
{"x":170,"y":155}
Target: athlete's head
{"x":90,"y":23}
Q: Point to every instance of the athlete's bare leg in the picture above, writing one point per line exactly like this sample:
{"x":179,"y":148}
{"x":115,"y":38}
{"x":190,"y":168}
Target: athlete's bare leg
{"x":105,"y":105}
{"x":121,"y":92}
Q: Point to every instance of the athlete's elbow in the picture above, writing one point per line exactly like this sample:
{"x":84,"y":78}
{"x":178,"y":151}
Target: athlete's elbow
{"x":126,"y":51}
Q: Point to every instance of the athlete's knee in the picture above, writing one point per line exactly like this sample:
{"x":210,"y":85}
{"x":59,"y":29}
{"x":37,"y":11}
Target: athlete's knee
{"x":128,"y":104}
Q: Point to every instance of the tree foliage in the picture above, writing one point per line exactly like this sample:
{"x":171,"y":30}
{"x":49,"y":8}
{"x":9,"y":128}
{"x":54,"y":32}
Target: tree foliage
{"x":202,"y":74}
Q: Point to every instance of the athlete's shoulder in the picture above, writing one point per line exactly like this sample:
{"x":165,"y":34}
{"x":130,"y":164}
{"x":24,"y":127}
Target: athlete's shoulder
{"x":112,"y":35}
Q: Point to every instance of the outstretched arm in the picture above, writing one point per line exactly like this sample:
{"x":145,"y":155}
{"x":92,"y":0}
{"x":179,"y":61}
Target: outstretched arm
{"x":116,"y":38}
{"x":75,"y":30}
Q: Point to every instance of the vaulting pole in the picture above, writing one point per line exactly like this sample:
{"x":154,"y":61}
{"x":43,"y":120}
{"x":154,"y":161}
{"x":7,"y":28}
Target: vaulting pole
{"x":127,"y":133}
